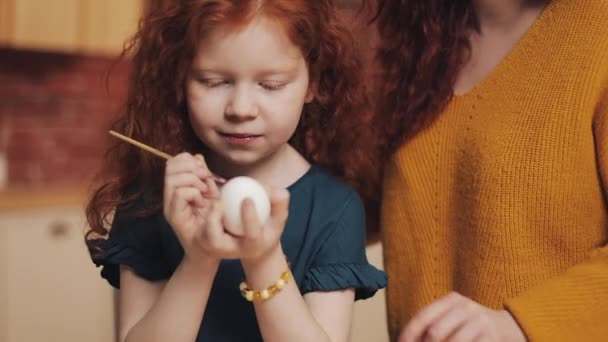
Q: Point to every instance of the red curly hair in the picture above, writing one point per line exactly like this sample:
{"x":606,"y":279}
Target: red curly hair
{"x":423,"y":45}
{"x":162,"y":52}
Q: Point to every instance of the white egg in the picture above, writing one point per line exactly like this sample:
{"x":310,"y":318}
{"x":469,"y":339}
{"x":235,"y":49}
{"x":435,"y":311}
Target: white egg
{"x":232,"y":195}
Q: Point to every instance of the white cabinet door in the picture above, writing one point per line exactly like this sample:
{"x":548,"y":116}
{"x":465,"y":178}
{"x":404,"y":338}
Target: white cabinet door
{"x":50,"y":290}
{"x":54,"y":292}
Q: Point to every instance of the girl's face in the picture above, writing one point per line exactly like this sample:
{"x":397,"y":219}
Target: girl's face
{"x":245,"y":92}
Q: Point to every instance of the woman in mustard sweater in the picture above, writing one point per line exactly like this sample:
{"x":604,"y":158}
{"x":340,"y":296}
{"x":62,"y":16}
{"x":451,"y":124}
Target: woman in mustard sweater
{"x":494,"y":120}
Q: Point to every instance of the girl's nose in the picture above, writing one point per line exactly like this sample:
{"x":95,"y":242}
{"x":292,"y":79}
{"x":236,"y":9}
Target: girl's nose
{"x":242,"y":105}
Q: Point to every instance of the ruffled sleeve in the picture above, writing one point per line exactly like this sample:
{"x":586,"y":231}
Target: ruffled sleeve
{"x":341,"y":262}
{"x":133,"y":241}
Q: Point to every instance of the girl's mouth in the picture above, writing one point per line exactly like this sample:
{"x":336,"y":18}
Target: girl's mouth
{"x":240,"y":138}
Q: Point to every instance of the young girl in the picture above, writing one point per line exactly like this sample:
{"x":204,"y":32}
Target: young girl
{"x":255,"y":88}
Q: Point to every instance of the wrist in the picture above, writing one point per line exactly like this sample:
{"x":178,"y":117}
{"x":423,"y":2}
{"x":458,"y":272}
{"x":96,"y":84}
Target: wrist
{"x":272,"y":256}
{"x":203,"y":263}
{"x":264,"y":270}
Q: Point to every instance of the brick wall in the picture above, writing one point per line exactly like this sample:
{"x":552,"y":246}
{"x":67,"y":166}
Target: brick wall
{"x":55,"y":110}
{"x":54,"y":114}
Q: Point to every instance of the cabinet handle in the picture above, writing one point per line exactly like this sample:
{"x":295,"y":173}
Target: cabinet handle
{"x":59,"y":229}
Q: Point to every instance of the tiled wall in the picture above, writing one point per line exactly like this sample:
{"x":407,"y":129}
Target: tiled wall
{"x":54,"y":111}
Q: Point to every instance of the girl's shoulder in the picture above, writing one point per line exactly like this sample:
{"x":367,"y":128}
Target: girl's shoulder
{"x":326,"y":191}
{"x":135,"y":239}
{"x":325,"y":237}
{"x":324,"y":183}
{"x":321,"y":205}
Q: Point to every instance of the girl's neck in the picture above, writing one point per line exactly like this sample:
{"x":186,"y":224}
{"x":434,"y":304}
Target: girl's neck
{"x":279,"y":170}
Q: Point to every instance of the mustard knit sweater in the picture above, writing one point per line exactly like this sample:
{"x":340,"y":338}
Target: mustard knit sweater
{"x":504,"y":198}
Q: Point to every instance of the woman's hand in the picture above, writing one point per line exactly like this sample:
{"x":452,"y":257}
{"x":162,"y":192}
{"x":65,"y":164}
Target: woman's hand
{"x":456,"y":318}
{"x":189,"y":196}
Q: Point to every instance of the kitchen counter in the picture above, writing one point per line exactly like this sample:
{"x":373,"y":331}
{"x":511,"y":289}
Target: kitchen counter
{"x":28,"y":198}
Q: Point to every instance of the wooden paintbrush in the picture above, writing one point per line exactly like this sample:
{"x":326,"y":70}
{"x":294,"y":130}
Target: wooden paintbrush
{"x":152,"y":150}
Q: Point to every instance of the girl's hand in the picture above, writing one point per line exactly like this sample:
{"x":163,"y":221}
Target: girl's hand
{"x":457,"y":318}
{"x":259,"y":239}
{"x":189,"y":192}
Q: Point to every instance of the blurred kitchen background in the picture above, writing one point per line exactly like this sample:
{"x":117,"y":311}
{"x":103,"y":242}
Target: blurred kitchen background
{"x":61,"y":85}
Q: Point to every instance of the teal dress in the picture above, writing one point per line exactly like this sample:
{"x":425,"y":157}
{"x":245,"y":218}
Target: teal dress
{"x":324,"y":241}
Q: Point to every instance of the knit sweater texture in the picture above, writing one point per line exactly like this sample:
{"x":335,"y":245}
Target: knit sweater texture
{"x":504,"y":197}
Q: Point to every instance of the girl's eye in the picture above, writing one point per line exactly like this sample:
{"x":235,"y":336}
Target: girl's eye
{"x":212,"y":83}
{"x":272,"y":86}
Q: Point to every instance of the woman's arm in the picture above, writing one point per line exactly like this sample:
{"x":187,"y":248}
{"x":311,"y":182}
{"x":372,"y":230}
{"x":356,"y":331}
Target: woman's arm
{"x":574,"y":306}
{"x":165,"y":311}
{"x":288,"y":316}
{"x":568,"y":307}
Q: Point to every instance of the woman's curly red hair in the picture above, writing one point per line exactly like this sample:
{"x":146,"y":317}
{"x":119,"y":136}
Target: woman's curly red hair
{"x":422,"y":46}
{"x":331,"y":130}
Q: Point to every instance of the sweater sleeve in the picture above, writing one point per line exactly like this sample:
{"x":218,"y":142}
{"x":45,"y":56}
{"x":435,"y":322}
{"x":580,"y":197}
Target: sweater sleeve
{"x":573,"y":306}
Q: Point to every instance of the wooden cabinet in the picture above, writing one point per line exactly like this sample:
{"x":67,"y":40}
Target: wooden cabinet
{"x":51,"y":291}
{"x":49,"y":288}
{"x":3,"y":283}
{"x":74,"y":26}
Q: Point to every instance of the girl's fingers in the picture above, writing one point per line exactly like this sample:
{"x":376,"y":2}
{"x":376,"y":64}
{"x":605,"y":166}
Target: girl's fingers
{"x":183,"y":199}
{"x":181,"y":163}
{"x":214,"y":234}
{"x":185,"y":162}
{"x":200,"y":159}
{"x":185,"y":180}
{"x":212,"y":189}
{"x":279,"y":207}
{"x":187,"y":196}
{"x":213,"y":230}
{"x":249,"y":217}
{"x":185,"y":170}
